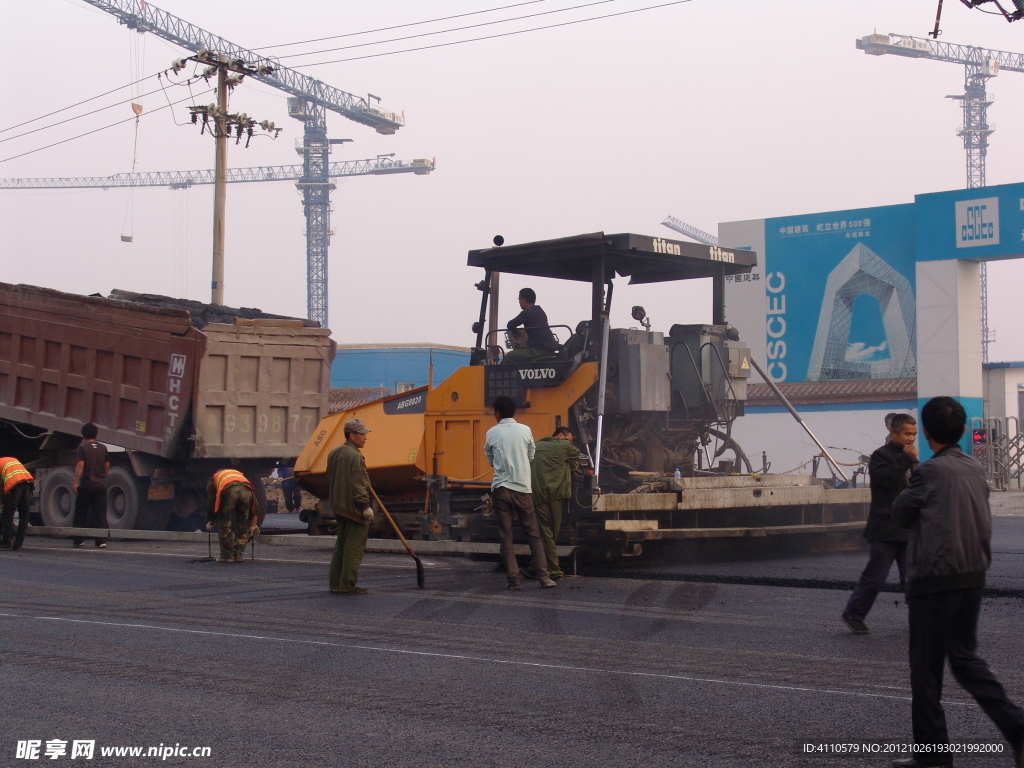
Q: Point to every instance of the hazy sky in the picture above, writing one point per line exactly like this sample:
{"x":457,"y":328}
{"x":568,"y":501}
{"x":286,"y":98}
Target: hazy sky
{"x":709,"y":110}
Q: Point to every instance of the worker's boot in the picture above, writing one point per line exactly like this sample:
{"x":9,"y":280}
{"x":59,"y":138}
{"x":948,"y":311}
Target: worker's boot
{"x":512,"y":582}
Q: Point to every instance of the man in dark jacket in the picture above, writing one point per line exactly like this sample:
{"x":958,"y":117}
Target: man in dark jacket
{"x":349,"y":489}
{"x":541,"y":342}
{"x":946,"y":509}
{"x":889,"y":468}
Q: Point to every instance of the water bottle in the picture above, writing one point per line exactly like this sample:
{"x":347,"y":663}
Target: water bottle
{"x":678,"y":475}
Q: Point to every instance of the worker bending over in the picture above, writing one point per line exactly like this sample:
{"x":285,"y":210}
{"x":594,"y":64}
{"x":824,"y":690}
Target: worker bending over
{"x":541,"y":342}
{"x":231,"y":509}
{"x":17,"y":490}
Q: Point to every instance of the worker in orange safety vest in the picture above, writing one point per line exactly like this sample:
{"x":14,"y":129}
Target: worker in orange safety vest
{"x":17,"y":491}
{"x":231,"y":510}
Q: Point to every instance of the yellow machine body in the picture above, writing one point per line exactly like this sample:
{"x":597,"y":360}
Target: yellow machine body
{"x":446,"y":438}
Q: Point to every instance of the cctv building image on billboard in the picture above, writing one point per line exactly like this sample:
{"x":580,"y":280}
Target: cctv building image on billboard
{"x":862,"y":312}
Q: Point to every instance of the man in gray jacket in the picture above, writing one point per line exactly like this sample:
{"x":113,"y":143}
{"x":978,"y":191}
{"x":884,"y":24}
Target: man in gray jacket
{"x":946,"y":509}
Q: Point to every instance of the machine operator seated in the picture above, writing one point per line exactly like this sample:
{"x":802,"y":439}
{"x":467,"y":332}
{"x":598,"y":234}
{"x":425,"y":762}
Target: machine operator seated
{"x":540,"y":342}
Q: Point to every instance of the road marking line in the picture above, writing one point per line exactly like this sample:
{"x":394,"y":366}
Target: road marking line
{"x":482,"y":659}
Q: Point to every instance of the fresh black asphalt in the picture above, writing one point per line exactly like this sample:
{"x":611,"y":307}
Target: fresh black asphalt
{"x":148,"y":643}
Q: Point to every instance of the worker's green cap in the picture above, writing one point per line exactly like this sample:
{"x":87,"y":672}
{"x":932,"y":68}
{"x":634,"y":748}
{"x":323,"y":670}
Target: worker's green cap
{"x":357,"y":426}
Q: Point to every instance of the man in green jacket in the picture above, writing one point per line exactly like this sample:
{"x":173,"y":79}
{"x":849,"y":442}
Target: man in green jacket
{"x":350,"y":502}
{"x":551,"y":472}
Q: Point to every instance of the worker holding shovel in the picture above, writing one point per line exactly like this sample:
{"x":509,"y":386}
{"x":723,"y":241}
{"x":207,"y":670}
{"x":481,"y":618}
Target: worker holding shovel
{"x":350,"y":502}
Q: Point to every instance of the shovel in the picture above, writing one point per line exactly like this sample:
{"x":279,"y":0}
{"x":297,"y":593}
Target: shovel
{"x":420,"y":575}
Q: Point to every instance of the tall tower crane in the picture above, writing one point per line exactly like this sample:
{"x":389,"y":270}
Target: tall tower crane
{"x":980,"y":64}
{"x":689,"y":230}
{"x":309,"y":102}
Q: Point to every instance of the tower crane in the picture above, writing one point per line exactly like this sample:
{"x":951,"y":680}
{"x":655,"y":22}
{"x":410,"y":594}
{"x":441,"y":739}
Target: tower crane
{"x":689,"y":230}
{"x":380,"y":166}
{"x":309,"y":101}
{"x":980,"y":64}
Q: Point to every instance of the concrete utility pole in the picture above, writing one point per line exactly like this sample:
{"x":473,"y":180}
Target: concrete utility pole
{"x":230,"y":72}
{"x":220,"y":191}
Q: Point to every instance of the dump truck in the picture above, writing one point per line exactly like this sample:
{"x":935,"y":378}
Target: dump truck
{"x":643,"y":404}
{"x":182,"y":388}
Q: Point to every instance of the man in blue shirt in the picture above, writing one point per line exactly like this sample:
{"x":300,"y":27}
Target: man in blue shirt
{"x":509,"y":448}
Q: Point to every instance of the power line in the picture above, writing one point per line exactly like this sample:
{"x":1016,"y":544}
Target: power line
{"x":453,"y":29}
{"x":97,"y":130}
{"x":398,"y":26}
{"x":77,"y":104}
{"x":86,"y":114}
{"x":492,"y":37}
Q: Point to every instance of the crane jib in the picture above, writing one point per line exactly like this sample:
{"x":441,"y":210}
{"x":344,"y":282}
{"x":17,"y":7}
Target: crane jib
{"x":149,"y":18}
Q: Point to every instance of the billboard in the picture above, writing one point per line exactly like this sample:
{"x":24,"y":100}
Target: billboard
{"x":840,"y":296}
{"x":971,"y":224}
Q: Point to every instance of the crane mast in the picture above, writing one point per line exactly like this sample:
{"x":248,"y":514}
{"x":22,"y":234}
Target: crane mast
{"x":980,"y":65}
{"x":309,"y":102}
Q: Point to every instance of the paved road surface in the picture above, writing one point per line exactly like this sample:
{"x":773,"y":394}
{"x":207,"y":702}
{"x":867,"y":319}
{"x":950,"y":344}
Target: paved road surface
{"x":148,"y":643}
{"x":840,"y":570}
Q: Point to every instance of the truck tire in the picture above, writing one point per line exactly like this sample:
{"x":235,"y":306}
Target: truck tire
{"x":154,"y":515}
{"x":56,"y":502}
{"x":123,"y":499}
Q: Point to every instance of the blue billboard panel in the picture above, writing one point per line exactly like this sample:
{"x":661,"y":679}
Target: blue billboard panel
{"x":840,"y":295}
{"x":971,"y":224}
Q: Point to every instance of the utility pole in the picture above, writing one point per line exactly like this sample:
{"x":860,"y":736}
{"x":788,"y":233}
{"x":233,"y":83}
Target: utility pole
{"x":220,"y":187}
{"x":230,"y":72}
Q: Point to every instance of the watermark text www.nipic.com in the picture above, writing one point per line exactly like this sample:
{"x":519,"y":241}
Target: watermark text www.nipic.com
{"x":80,"y":749}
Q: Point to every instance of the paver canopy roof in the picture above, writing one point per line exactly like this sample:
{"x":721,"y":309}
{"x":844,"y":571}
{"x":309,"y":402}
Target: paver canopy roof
{"x":642,"y":258}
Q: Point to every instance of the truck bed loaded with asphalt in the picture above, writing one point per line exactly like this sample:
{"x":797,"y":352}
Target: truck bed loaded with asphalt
{"x":184,"y":388}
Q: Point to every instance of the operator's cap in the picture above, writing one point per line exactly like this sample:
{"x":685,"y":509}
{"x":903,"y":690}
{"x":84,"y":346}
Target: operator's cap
{"x":357,"y":426}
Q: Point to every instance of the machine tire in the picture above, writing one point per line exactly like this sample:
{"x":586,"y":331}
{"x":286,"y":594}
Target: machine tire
{"x":56,"y":502}
{"x":123,"y":499}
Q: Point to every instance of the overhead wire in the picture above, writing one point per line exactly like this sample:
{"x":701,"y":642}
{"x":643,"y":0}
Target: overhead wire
{"x":97,"y":130}
{"x":93,"y":112}
{"x":189,"y":82}
{"x":453,"y":29}
{"x":85,"y":114}
{"x":76,"y":104}
{"x":399,"y":26}
{"x":495,"y":36}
